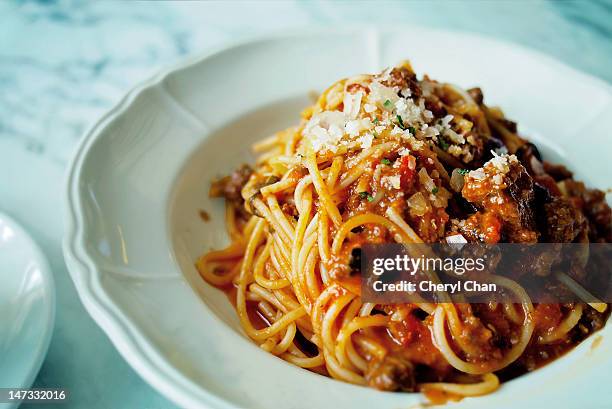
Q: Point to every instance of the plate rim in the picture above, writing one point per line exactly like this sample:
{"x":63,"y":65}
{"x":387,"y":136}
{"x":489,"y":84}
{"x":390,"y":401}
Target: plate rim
{"x":51,"y":306}
{"x":132,"y":345}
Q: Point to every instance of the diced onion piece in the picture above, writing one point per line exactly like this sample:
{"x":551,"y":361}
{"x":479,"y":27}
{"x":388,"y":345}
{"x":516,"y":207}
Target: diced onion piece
{"x":426,"y":180}
{"x":440,"y":199}
{"x":418,"y":204}
{"x":457,"y":180}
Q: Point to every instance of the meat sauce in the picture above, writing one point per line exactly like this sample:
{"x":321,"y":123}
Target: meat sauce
{"x":502,"y":215}
{"x":527,"y":202}
{"x":408,"y":345}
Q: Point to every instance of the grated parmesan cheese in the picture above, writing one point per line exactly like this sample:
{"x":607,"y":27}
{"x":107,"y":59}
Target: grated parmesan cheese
{"x":366,"y":141}
{"x":454,"y":150}
{"x":397,"y":130}
{"x":324,"y":130}
{"x":379,"y":94}
{"x":501,"y":162}
{"x":454,"y":136}
{"x":446,"y":120}
{"x":477,"y":174}
{"x":355,"y":127}
{"x":392,"y":181}
{"x":369,"y":108}
{"x":403,"y":152}
{"x":352,"y":104}
{"x":401,"y":106}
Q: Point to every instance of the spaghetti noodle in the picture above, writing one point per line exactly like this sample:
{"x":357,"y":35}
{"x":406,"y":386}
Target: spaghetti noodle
{"x":390,"y":158}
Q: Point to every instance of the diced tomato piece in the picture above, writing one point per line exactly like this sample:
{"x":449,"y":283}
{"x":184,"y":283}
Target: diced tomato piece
{"x":406,"y":173}
{"x":491,"y":226}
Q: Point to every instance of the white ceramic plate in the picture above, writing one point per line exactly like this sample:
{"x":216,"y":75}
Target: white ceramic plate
{"x":142,"y":173}
{"x":27,"y":307}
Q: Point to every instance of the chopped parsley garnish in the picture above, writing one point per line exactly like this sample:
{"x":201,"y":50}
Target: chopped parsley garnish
{"x":435,"y":190}
{"x":376,"y":121}
{"x":443,"y":144}
{"x":388,"y":104}
{"x":400,"y":122}
{"x":463,"y":171}
{"x":375,"y":134}
{"x":412,"y":130}
{"x":366,"y":195}
{"x":385,"y":161}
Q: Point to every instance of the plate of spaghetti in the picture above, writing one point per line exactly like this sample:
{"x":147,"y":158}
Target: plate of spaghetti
{"x":217,"y":216}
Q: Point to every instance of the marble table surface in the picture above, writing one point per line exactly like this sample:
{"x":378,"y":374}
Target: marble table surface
{"x":63,"y":64}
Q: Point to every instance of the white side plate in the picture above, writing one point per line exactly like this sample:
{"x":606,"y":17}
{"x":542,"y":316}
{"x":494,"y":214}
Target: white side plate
{"x":27,"y":307}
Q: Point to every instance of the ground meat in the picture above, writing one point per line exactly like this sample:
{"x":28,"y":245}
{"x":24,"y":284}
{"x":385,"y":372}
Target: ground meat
{"x":435,"y":105}
{"x":593,"y":204}
{"x":547,"y":183}
{"x":459,"y":208}
{"x":403,"y":77}
{"x":355,"y":261}
{"x":592,"y":275}
{"x":477,"y":338}
{"x":558,"y":172}
{"x":536,"y":261}
{"x":507,"y":124}
{"x":476,"y":94}
{"x":530,"y":157}
{"x":557,"y":218}
{"x":484,"y":153}
{"x":564,"y":222}
{"x":289,"y":208}
{"x":392,"y":373}
{"x":230,"y":186}
{"x":593,"y":320}
{"x":355,"y":87}
{"x":433,"y":102}
{"x":504,"y":214}
{"x":599,"y":214}
{"x":520,"y":187}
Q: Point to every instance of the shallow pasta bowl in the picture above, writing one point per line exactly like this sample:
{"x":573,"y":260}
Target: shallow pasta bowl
{"x":141,"y":176}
